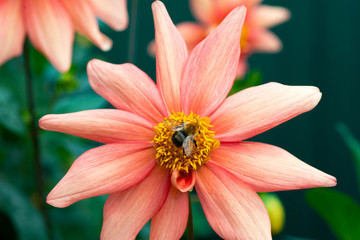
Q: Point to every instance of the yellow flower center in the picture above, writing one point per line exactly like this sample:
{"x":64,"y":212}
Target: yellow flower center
{"x":184,"y":142}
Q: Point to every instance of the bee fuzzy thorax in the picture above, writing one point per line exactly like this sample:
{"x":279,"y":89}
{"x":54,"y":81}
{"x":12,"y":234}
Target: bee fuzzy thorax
{"x":184,"y":142}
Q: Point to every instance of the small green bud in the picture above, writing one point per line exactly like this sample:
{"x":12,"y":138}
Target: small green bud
{"x":275,"y":210}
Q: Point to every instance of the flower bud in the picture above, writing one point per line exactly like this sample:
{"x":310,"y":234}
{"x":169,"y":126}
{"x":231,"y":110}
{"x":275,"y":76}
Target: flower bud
{"x":275,"y":210}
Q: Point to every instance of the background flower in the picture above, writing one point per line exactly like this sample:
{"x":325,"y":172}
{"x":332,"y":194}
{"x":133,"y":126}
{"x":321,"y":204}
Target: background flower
{"x":50,"y":26}
{"x":255,"y":36}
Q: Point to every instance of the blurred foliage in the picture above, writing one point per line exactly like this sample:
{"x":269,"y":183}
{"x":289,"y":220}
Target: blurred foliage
{"x":354,"y":146}
{"x":340,"y":211}
{"x":25,"y":219}
{"x":202,"y":228}
{"x":251,"y":79}
{"x":54,"y":93}
{"x":10,"y":114}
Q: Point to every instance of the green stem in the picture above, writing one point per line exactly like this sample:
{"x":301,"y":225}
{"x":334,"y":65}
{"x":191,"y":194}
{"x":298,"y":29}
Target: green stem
{"x":39,"y":178}
{"x":132,"y":33}
{"x":190,"y":224}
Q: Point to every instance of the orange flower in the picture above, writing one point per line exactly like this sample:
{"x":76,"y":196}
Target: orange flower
{"x":50,"y":26}
{"x":255,"y":35}
{"x":164,"y":139}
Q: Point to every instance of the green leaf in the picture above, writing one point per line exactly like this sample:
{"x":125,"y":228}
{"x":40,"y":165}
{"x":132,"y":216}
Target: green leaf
{"x":354,"y":146}
{"x":340,"y":212}
{"x":202,"y":228}
{"x":289,"y":237}
{"x":253,"y":78}
{"x":10,"y":114}
{"x":67,"y":82}
{"x":78,"y":102}
{"x":25,"y":218}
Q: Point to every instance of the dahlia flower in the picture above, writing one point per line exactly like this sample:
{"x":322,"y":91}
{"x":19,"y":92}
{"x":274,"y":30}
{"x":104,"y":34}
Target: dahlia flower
{"x":255,"y":35}
{"x":50,"y":26}
{"x":148,"y":176}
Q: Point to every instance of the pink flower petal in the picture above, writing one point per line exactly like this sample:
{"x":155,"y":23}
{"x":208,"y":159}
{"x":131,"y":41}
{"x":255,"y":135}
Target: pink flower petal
{"x":211,"y":68}
{"x":50,"y":30}
{"x":170,"y":221}
{"x":258,"y":109}
{"x":224,"y":7}
{"x":214,"y":11}
{"x":204,"y":10}
{"x":265,"y":41}
{"x":182,"y":182}
{"x":250,"y":3}
{"x":127,"y":88}
{"x":106,"y":126}
{"x":85,"y":23}
{"x":233,"y":210}
{"x":171,"y":54}
{"x":103,"y":170}
{"x":113,"y":12}
{"x":192,"y":33}
{"x":266,"y":168}
{"x":125,"y":213}
{"x":242,"y":67}
{"x":12,"y":31}
{"x":268,"y":16}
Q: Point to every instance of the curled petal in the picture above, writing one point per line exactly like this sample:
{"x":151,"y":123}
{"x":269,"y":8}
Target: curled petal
{"x":106,"y":125}
{"x":266,"y":168}
{"x":171,"y":54}
{"x":258,"y":109}
{"x":233,"y":210}
{"x":103,"y":170}
{"x":50,"y":30}
{"x":183,"y":182}
{"x":212,"y":65}
{"x":170,"y":221}
{"x":125,"y":213}
{"x":113,"y":12}
{"x":127,"y":88}
{"x":85,"y":23}
{"x":12,"y":31}
{"x":268,"y":16}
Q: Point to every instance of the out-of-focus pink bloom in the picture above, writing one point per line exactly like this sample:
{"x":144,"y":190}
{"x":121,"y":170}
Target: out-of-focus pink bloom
{"x":148,"y":176}
{"x":255,"y":35}
{"x":51,"y":24}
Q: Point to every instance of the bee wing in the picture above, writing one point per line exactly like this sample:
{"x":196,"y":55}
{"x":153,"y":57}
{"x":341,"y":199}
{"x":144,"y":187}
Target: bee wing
{"x":188,"y":145}
{"x":174,"y":125}
{"x":178,"y":127}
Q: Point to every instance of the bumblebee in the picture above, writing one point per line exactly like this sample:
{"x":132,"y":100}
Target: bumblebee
{"x":183,"y":136}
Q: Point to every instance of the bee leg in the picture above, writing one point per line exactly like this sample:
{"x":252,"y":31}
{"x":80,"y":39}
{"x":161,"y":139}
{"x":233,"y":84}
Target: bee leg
{"x":195,"y":142}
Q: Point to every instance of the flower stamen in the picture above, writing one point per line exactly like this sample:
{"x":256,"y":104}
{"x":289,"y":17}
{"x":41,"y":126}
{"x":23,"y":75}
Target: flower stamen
{"x":191,"y":129}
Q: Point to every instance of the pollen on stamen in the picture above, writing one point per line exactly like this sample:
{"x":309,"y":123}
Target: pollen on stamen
{"x":173,"y":157}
